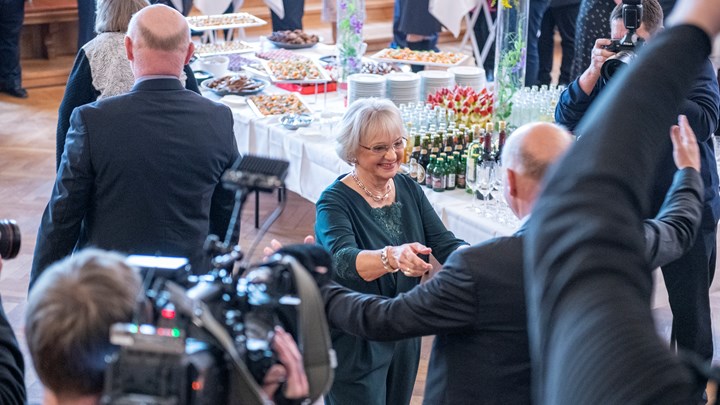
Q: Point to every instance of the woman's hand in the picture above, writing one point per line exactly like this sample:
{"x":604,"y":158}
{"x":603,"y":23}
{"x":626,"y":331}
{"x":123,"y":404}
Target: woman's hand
{"x":405,"y":258}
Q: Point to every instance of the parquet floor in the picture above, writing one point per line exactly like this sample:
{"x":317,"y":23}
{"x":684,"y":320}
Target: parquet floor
{"x":27,"y":173}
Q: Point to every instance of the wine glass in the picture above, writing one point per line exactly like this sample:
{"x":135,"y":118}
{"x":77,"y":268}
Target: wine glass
{"x":485,"y":178}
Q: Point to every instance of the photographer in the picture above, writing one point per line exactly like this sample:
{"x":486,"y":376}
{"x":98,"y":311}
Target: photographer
{"x":69,"y":314}
{"x":688,"y":278}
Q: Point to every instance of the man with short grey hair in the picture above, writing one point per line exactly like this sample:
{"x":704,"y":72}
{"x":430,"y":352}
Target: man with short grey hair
{"x":141,"y":171}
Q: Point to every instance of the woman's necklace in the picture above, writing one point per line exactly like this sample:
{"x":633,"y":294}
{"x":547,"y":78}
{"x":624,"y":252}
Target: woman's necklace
{"x":375,"y":197}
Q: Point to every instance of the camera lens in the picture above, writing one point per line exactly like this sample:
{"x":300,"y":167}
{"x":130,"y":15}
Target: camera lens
{"x":9,"y":239}
{"x":615,"y":63}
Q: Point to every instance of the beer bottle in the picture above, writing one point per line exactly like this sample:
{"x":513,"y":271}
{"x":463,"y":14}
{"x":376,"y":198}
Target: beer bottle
{"x":438,"y":175}
{"x":429,"y":170}
{"x":501,"y":139}
{"x":450,"y":173}
{"x":460,"y":172}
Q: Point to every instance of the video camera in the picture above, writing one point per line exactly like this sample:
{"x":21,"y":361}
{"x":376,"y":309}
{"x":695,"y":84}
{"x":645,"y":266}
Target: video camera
{"x":625,"y":47}
{"x":206,"y":339}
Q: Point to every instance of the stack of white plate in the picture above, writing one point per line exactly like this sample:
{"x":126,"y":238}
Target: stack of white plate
{"x":469,"y":76}
{"x":433,"y":80}
{"x":403,"y":88}
{"x":364,"y":85}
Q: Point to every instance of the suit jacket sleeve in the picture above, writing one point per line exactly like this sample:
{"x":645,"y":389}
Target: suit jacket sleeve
{"x":588,"y":290}
{"x":223,"y":200}
{"x":443,"y":304}
{"x":61,"y":221}
{"x":573,"y":104}
{"x":701,"y":106}
{"x":12,"y":382}
{"x":79,"y":91}
{"x":672,"y":232}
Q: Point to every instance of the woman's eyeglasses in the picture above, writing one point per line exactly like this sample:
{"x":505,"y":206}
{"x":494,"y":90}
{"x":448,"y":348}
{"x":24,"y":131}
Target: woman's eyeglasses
{"x":383,"y":149}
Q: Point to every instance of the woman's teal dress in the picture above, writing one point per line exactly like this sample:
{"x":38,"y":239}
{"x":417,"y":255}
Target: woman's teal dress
{"x":376,"y":373}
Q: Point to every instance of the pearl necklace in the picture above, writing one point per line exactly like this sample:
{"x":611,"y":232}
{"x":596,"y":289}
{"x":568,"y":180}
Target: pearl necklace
{"x":375,"y":197}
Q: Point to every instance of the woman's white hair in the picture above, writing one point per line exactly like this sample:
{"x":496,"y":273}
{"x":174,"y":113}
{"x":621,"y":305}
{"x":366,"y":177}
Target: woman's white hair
{"x":365,"y":117}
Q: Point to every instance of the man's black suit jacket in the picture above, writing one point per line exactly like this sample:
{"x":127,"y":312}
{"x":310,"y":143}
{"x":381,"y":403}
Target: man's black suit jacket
{"x":141,"y":174}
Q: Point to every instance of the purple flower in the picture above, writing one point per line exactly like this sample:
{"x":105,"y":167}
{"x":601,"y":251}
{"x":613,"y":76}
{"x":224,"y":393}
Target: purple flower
{"x":356,"y":24}
{"x":343,"y":6}
{"x":354,"y":64}
{"x":521,"y":63}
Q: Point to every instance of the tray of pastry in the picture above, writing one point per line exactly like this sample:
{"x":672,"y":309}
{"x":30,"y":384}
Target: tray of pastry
{"x":296,"y":71}
{"x":264,"y":105}
{"x":220,"y":48}
{"x":224,"y":21}
{"x":241,"y":85}
{"x":426,"y":58}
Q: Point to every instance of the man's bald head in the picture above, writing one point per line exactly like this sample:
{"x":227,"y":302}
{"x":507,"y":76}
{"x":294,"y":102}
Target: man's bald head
{"x":158,"y":42}
{"x":527,"y":154}
{"x":532,"y":148}
{"x":160,"y":28}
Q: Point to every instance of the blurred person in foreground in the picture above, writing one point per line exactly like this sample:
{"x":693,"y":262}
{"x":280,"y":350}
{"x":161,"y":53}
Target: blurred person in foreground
{"x":12,"y":366}
{"x":476,"y":304}
{"x":592,"y":337}
{"x":101,"y":66}
{"x":380,"y":229}
{"x":141,"y":171}
{"x":68,"y":320}
{"x":687,"y":279}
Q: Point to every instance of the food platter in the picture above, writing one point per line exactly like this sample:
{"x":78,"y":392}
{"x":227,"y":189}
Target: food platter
{"x":277,"y":104}
{"x":224,"y":21}
{"x":235,"y":85}
{"x":295,"y":39}
{"x":221,"y":48}
{"x":296,"y":71}
{"x":425,"y":58}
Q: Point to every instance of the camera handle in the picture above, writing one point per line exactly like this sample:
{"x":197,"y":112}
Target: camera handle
{"x":202,"y":317}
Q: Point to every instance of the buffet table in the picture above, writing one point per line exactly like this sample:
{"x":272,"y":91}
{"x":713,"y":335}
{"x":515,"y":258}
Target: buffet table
{"x":314,"y":164}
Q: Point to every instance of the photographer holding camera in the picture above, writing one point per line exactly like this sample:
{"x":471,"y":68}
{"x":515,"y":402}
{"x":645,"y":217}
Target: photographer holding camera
{"x":70,"y":313}
{"x":687,"y":279}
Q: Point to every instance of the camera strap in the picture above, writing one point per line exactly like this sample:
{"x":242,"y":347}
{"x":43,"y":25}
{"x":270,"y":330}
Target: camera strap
{"x":314,"y":335}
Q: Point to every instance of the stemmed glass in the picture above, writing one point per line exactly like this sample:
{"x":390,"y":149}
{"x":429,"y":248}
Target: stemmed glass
{"x":485,"y":178}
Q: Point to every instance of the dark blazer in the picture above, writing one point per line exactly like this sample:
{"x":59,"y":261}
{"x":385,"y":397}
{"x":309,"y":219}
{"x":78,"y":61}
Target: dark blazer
{"x":141,"y":174}
{"x":591,"y":329}
{"x":476,"y":307}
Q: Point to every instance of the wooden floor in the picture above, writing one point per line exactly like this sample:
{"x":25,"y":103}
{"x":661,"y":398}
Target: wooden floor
{"x":27,"y":172}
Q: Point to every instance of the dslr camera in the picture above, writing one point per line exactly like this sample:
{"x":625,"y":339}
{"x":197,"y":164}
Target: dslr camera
{"x":9,"y":239}
{"x":625,"y":48}
{"x":206,"y":339}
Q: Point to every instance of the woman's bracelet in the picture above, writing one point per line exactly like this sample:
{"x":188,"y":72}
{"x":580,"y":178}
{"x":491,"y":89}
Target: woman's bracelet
{"x":385,"y":261}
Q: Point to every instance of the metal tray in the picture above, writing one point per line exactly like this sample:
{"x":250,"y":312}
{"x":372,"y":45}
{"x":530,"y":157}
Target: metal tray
{"x":216,"y":22}
{"x":222,"y":49}
{"x":280,"y":100}
{"x":324,"y":76}
{"x":379,"y":57}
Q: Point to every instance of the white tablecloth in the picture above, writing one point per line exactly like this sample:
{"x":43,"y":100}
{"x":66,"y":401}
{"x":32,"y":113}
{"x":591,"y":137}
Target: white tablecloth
{"x":314,"y":165}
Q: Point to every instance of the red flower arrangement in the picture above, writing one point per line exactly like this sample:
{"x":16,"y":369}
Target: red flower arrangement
{"x":470,"y":106}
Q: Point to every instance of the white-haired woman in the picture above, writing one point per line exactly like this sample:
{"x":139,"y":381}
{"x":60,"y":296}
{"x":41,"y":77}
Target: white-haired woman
{"x":101,"y":66}
{"x":380,"y":229}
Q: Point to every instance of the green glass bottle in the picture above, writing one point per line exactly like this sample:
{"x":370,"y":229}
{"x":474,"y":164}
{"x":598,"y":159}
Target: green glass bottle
{"x":450,"y":170}
{"x":429,"y":171}
{"x":438,"y":175}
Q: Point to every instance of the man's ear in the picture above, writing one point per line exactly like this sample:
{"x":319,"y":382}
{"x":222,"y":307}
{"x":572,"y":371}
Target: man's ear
{"x":128,"y":48}
{"x":512,"y":182}
{"x":190,"y":52}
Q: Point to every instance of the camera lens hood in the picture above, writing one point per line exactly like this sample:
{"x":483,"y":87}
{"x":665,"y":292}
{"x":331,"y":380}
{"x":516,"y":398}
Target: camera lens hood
{"x":9,"y":239}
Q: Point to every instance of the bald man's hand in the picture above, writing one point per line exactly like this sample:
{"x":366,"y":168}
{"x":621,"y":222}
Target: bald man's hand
{"x":686,"y":152}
